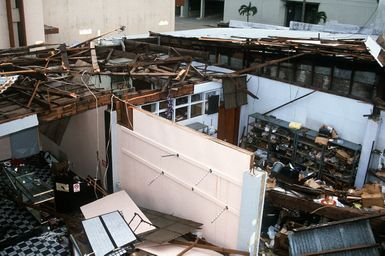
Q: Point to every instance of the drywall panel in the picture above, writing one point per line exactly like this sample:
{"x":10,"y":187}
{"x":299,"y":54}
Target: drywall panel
{"x":80,"y":20}
{"x":170,"y":168}
{"x":5,"y":148}
{"x":344,"y":114}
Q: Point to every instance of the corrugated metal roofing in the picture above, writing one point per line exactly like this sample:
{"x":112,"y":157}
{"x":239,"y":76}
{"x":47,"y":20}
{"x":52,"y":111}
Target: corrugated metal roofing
{"x":346,"y":235}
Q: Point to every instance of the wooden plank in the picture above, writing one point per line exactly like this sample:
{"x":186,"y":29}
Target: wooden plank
{"x":94,"y":58}
{"x":34,"y":93}
{"x":64,"y":57}
{"x":211,"y":247}
{"x":11,"y":33}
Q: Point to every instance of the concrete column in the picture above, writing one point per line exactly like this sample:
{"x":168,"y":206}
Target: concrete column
{"x":370,"y":137}
{"x":181,"y":11}
{"x":203,"y":5}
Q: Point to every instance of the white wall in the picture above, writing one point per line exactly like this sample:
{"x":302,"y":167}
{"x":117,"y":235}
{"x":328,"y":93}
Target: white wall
{"x":140,"y":161}
{"x":344,"y":114}
{"x":34,"y":21}
{"x":79,"y":142}
{"x":355,"y":12}
{"x":4,"y":36}
{"x":71,"y":16}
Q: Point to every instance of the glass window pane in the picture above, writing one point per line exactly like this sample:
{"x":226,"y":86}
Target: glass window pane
{"x":149,"y":107}
{"x":196,"y":97}
{"x":163,"y":104}
{"x":210,"y":94}
{"x":196,"y":110}
{"x":181,"y":114}
{"x":182,"y":100}
{"x":163,"y":114}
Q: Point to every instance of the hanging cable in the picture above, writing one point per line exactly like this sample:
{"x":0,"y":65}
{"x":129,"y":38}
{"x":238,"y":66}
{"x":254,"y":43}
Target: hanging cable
{"x":219,"y":214}
{"x":97,"y":131}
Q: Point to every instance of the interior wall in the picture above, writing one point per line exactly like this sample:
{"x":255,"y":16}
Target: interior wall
{"x":34,"y":21}
{"x":4,"y":36}
{"x":80,"y":20}
{"x":5,"y":148}
{"x":79,"y":142}
{"x":187,"y":184}
{"x":344,"y":114}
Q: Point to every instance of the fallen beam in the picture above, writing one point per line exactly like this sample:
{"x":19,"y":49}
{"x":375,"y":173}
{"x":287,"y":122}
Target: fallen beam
{"x":161,"y":48}
{"x":211,"y":247}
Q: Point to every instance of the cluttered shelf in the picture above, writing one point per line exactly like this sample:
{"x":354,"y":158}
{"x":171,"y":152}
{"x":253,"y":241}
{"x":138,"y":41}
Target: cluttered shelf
{"x":322,"y":151}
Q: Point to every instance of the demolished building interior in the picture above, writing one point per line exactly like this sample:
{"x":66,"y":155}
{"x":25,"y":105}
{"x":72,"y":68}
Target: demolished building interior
{"x":305,"y":110}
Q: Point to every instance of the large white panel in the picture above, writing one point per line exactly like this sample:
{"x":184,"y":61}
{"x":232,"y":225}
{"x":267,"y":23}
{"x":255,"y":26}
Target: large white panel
{"x":213,"y":153}
{"x":186,"y":188}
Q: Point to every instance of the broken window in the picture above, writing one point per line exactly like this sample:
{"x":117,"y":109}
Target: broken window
{"x":341,"y":81}
{"x":322,"y":77}
{"x":181,"y":114}
{"x":303,"y":75}
{"x":182,"y":100}
{"x":363,"y":83}
{"x":163,"y":105}
{"x":150,"y":107}
{"x":196,"y":97}
{"x":196,"y":110}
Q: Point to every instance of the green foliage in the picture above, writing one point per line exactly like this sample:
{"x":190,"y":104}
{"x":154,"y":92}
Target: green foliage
{"x":247,"y":10}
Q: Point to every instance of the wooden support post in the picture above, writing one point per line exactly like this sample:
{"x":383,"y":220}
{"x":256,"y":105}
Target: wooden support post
{"x":312,"y":74}
{"x":11,"y":33}
{"x":331,"y":77}
{"x":64,"y":57}
{"x":34,"y":93}
{"x":351,"y":81}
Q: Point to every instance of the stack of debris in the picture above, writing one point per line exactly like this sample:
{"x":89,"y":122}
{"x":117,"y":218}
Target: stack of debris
{"x":56,"y":81}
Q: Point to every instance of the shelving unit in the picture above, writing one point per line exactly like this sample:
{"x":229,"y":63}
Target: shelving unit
{"x":337,"y":160}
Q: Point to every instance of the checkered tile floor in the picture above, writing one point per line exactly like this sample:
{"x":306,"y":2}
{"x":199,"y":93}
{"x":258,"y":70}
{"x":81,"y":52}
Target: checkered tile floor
{"x":17,"y":222}
{"x":49,"y":243}
{"x":14,"y":221}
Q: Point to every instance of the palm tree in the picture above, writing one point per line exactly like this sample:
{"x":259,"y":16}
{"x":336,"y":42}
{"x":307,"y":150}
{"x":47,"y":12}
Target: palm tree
{"x":321,"y":16}
{"x":248,"y":10}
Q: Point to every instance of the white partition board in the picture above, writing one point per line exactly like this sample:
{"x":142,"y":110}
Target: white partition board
{"x":183,"y":185}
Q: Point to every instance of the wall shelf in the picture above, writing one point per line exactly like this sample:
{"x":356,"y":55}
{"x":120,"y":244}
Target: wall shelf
{"x":298,"y":147}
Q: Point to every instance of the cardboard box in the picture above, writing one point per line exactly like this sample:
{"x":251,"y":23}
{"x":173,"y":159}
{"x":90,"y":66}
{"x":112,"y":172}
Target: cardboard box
{"x":372,"y":188}
{"x":369,"y":200}
{"x":321,"y":140}
{"x":343,"y":154}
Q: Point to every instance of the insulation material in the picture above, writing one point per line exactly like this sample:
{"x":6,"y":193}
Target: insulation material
{"x":172,"y":169}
